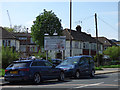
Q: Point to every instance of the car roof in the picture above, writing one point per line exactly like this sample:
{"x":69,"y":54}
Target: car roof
{"x":28,"y":60}
{"x":80,"y":56}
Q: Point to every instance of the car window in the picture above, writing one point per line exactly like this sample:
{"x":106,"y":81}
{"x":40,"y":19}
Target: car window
{"x":70,"y":61}
{"x":18,"y":65}
{"x":41,"y":63}
{"x":91,"y":60}
{"x":34,"y":64}
{"x":84,"y":60}
{"x":48,"y":64}
{"x":38,"y":63}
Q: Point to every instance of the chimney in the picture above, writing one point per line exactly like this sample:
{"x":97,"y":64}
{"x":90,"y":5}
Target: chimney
{"x":78,"y":28}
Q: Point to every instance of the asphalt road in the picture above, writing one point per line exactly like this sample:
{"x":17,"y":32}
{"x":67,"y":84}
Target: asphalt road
{"x":99,"y":81}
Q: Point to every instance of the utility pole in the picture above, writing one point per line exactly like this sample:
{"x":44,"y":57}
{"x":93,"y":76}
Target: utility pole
{"x":97,"y":40}
{"x":9,"y":19}
{"x":70,"y":27}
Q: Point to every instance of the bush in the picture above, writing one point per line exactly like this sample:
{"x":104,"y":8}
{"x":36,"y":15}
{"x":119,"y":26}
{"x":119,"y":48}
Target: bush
{"x":100,"y":56}
{"x":8,"y":55}
{"x":42,"y":55}
{"x":113,"y":52}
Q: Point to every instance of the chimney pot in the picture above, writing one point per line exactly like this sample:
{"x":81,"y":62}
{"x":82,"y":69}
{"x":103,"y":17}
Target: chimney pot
{"x":78,"y":28}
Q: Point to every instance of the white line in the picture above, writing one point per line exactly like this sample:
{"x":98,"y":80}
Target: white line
{"x":90,"y":85}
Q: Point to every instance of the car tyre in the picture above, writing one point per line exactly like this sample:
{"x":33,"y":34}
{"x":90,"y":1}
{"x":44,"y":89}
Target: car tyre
{"x":37,"y":78}
{"x":77,"y":74}
{"x":92,"y":74}
{"x":61,"y":77}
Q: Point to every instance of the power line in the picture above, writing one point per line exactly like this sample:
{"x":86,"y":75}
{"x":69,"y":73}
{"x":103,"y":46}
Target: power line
{"x":86,"y":18}
{"x":107,"y":23}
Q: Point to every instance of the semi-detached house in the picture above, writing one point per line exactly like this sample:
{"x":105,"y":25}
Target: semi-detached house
{"x":82,"y":43}
{"x":7,"y":39}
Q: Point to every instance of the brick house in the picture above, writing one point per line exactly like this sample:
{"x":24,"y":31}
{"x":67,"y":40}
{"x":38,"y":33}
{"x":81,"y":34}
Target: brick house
{"x":27,"y":46}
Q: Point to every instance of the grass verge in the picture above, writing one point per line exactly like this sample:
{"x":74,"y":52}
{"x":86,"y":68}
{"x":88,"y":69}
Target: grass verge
{"x":2,"y":72}
{"x":111,"y":66}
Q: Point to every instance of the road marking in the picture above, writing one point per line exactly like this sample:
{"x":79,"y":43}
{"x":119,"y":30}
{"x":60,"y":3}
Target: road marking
{"x":90,"y":85}
{"x":117,"y":80}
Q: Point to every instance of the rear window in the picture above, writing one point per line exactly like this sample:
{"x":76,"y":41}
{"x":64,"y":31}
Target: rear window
{"x":19,"y":64}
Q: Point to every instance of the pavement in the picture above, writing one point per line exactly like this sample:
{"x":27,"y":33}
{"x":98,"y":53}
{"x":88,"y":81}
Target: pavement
{"x":107,"y":70}
{"x":98,"y":72}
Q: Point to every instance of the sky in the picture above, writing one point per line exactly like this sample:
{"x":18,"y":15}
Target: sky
{"x":24,"y":13}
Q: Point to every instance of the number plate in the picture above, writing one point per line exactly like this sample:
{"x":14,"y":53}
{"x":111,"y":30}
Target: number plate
{"x":14,"y":72}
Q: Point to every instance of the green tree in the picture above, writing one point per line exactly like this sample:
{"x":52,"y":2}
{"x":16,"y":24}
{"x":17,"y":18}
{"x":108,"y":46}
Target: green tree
{"x":8,"y":55}
{"x":9,"y":29}
{"x":46,"y":22}
{"x":113,"y":52}
{"x":16,"y":28}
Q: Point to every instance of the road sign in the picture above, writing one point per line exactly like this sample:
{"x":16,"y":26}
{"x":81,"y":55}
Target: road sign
{"x":55,"y":42}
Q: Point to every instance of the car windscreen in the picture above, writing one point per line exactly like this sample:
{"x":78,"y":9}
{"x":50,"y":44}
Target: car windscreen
{"x":70,"y":61}
{"x":19,"y":64}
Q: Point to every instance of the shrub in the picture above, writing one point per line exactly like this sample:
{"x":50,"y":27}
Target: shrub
{"x":8,"y":55}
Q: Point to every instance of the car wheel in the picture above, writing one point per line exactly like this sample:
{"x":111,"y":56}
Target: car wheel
{"x":92,"y":73}
{"x":77,"y":74}
{"x":61,"y":77}
{"x":37,"y":78}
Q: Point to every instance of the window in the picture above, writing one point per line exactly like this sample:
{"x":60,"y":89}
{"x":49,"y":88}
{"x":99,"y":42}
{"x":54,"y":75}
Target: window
{"x":4,"y":42}
{"x":34,"y":64}
{"x":48,"y":64}
{"x":41,"y":63}
{"x":38,"y":63}
{"x":22,"y":38}
{"x":31,"y":40}
{"x":9,"y":43}
{"x":84,"y":45}
{"x":84,"y":60}
{"x":23,"y":48}
{"x":76,"y":44}
{"x":19,"y":64}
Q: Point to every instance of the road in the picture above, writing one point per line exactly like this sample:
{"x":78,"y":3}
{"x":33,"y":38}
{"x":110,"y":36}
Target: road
{"x":99,"y":81}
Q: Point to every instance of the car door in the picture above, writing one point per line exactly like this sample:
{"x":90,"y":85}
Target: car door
{"x":84,"y":66}
{"x":39,"y":66}
{"x":53,"y":72}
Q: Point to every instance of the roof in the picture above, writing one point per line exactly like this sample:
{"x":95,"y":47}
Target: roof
{"x":106,"y":41}
{"x":28,"y":60}
{"x":5,"y":34}
{"x":79,"y":36}
{"x":21,"y":34}
{"x":80,"y":56}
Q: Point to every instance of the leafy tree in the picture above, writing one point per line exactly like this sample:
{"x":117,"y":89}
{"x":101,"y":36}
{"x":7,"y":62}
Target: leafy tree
{"x":46,"y":22}
{"x":8,"y":55}
{"x":113,"y":52}
{"x":20,"y":28}
{"x":16,"y":28}
{"x":9,"y":29}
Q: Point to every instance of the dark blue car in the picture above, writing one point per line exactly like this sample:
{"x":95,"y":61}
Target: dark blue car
{"x":34,"y":70}
{"x":78,"y":66}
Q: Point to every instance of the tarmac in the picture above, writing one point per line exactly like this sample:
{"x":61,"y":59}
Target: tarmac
{"x":98,"y":72}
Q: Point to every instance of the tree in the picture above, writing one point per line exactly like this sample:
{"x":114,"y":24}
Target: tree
{"x":46,"y":22}
{"x":9,"y":29}
{"x":16,"y":28}
{"x":113,"y":52}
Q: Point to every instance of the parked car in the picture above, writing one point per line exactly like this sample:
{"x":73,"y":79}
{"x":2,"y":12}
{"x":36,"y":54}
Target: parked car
{"x":78,"y":66}
{"x":56,"y":61}
{"x":34,"y":70}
